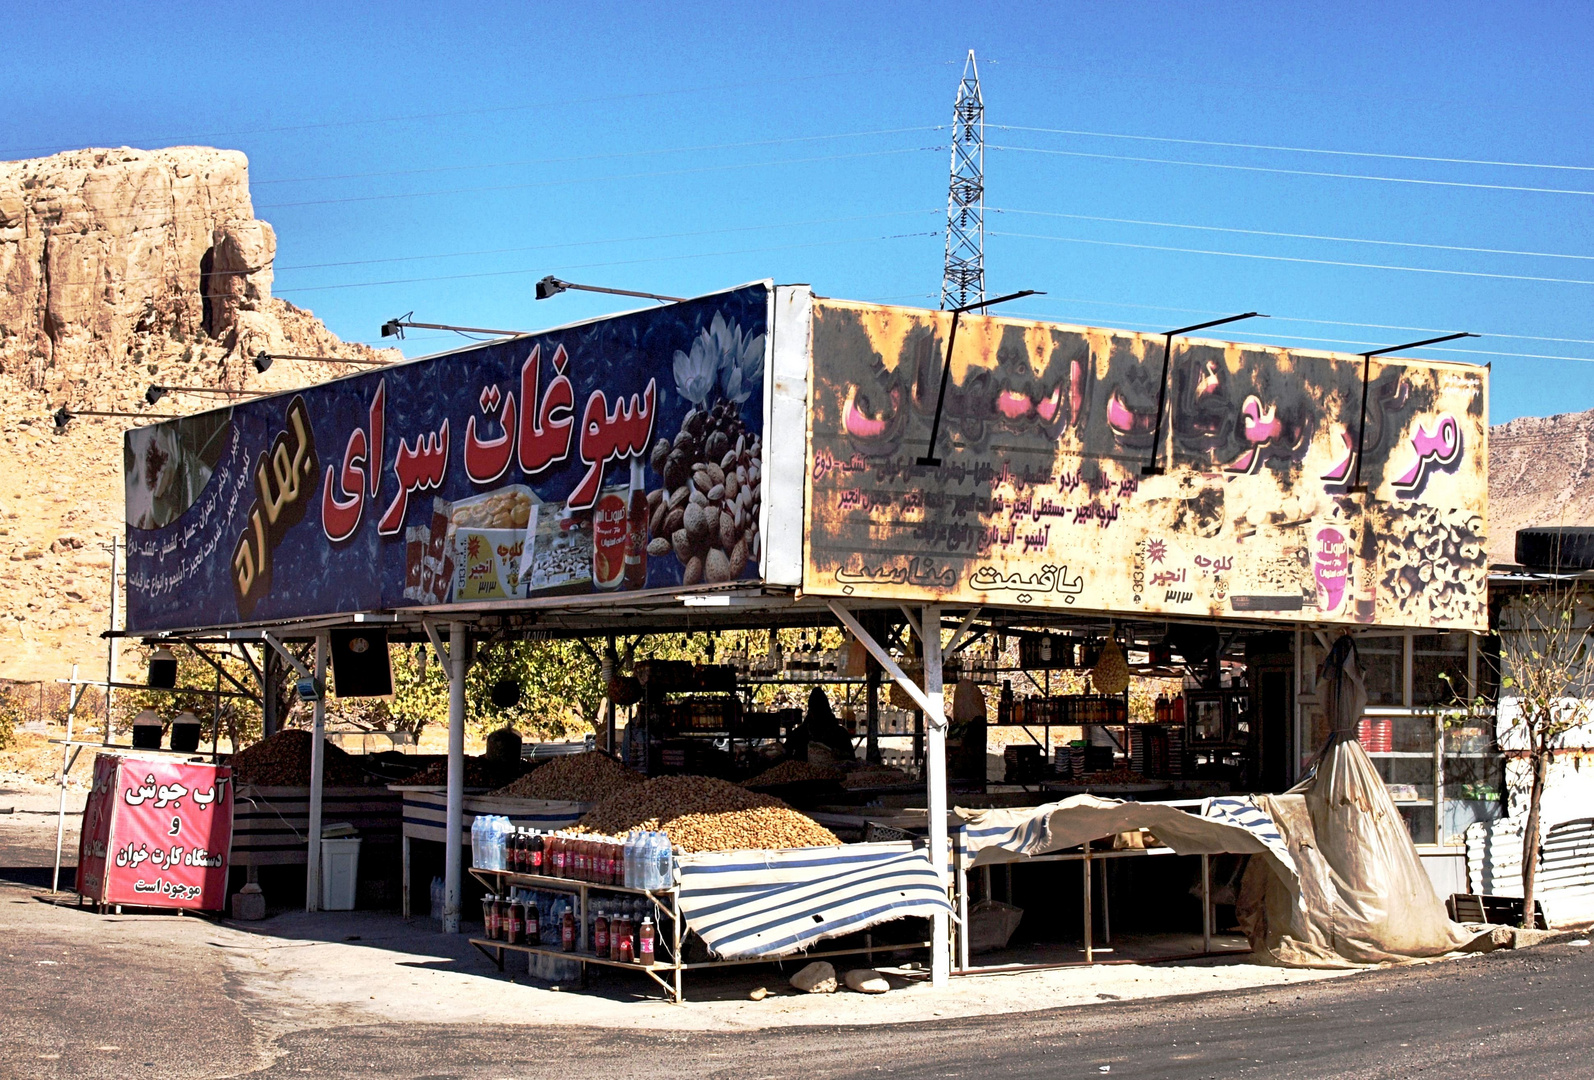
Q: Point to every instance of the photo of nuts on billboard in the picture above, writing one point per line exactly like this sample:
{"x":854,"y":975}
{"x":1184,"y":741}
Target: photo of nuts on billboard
{"x":1059,"y":487}
{"x":620,"y":454}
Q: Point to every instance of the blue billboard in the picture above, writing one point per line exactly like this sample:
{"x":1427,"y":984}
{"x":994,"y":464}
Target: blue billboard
{"x":618,"y":455}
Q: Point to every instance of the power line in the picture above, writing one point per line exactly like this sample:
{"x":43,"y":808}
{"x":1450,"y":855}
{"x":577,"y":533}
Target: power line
{"x":166,"y":214}
{"x":554,"y":247}
{"x":601,"y":157}
{"x":1296,"y":236}
{"x":621,"y":262}
{"x":1295,"y":259}
{"x":1316,"y":322}
{"x":1297,"y":149}
{"x":497,"y":109}
{"x":1293,"y":172}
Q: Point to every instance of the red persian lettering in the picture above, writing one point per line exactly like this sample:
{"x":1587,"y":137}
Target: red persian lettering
{"x":418,"y":468}
{"x":545,"y":420}
{"x":341,"y":516}
{"x":344,"y":493}
{"x":608,"y":435}
{"x":488,"y":459}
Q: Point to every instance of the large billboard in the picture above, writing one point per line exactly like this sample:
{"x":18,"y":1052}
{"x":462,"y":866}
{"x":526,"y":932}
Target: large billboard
{"x":1041,"y":498}
{"x":614,"y":455}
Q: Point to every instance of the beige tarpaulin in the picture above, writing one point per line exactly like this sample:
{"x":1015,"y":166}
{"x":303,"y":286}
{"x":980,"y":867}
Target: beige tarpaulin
{"x":1360,"y":894}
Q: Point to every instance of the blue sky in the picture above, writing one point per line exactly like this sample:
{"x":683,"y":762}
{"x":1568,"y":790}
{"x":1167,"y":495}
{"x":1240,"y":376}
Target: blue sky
{"x":440,"y":158}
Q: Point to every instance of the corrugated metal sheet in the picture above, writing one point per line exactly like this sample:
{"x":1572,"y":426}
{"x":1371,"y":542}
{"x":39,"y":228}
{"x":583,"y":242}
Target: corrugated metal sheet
{"x":271,"y":825}
{"x":771,"y":903}
{"x":426,"y":813}
{"x":1566,"y":864}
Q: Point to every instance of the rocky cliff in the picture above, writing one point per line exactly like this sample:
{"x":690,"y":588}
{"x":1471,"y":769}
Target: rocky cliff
{"x":1541,"y":472}
{"x":118,"y":269}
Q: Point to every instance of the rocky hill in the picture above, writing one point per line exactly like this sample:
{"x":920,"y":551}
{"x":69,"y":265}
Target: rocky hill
{"x":118,"y":268}
{"x":1541,"y":472}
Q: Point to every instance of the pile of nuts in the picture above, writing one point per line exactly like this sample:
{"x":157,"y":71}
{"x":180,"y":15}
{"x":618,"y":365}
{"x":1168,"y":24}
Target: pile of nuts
{"x":868,"y":776}
{"x":792,"y":772}
{"x":700,"y":813}
{"x":590,"y":777}
{"x":707,"y":510}
{"x":283,"y":760}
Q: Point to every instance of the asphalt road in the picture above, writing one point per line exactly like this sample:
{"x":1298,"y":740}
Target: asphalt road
{"x":105,"y":1007}
{"x":1508,"y":1015}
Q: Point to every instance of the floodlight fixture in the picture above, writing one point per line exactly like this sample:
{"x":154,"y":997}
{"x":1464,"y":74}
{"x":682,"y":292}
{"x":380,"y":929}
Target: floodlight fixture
{"x":1152,"y":468}
{"x":552,"y":286}
{"x":396,"y":328}
{"x":929,"y":457}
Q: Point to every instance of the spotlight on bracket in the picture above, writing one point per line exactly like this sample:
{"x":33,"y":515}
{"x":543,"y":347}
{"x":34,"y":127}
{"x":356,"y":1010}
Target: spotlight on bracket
{"x":154,"y":393}
{"x":262,"y":361}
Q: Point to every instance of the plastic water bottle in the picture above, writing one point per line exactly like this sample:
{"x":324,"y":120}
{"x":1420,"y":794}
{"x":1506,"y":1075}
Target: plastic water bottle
{"x":630,"y":880}
{"x":644,"y":841}
{"x":478,"y":854}
{"x":498,"y":824}
{"x":664,"y":875}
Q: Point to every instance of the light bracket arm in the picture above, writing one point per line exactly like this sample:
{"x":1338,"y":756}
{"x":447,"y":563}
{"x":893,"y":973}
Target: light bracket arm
{"x":1152,"y":468}
{"x":929,"y":457}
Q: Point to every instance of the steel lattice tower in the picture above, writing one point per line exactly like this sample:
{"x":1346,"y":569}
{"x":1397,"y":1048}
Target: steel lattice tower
{"x":964,"y":279}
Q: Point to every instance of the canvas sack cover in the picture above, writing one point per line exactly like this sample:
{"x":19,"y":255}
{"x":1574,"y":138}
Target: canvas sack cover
{"x":1360,"y":894}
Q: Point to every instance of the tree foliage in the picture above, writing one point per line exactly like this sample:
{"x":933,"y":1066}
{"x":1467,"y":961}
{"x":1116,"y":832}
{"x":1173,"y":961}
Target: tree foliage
{"x":1547,"y":673}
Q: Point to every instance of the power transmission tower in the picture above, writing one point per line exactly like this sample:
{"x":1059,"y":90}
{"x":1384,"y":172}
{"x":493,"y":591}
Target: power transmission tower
{"x":964,"y":279}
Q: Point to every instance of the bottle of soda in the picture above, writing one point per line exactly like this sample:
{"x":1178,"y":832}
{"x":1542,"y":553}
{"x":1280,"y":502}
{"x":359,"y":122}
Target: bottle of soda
{"x":533,"y":929}
{"x":645,"y":943}
{"x":600,"y":934}
{"x":567,"y":931}
{"x":534,"y":851}
{"x":625,"y":952}
{"x":636,"y":530}
{"x":516,"y":925}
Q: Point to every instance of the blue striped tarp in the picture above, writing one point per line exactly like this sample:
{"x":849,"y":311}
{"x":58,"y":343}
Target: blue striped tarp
{"x":772,"y":903}
{"x":1244,"y":813}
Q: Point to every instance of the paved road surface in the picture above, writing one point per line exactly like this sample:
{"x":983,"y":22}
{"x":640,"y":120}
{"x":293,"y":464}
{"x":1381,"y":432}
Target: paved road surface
{"x":96,"y":1008}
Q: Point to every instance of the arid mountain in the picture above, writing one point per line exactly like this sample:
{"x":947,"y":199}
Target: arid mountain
{"x":118,"y":269}
{"x":1541,"y":472}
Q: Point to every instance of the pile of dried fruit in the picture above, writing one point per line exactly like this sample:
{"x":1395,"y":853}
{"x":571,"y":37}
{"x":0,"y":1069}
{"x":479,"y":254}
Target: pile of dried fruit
{"x":699,"y":813}
{"x":284,"y":761}
{"x":792,"y":772}
{"x":479,"y":773}
{"x":590,"y":777}
{"x":707,"y":510}
{"x":869,"y":776}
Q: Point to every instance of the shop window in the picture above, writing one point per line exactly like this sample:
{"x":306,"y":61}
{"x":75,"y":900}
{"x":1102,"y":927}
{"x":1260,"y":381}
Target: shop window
{"x":1436,"y":658}
{"x":1382,"y":659}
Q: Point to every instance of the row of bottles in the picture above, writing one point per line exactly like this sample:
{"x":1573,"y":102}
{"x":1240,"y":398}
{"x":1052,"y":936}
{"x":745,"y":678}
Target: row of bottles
{"x":642,"y":860}
{"x":1169,"y":710}
{"x":618,"y":928}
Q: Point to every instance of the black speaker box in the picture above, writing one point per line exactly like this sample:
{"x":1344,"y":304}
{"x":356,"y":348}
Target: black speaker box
{"x":360,"y":665}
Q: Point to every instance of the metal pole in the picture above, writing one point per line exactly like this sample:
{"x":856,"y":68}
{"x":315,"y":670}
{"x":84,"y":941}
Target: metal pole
{"x":110,"y":649}
{"x":1206,"y":904}
{"x":456,"y":777}
{"x":1090,"y":954}
{"x":318,"y":762}
{"x":269,"y":664}
{"x":935,"y":783}
{"x":66,"y":763}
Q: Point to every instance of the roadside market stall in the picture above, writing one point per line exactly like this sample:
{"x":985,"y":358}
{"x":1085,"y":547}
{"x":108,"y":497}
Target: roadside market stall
{"x":1090,"y":510}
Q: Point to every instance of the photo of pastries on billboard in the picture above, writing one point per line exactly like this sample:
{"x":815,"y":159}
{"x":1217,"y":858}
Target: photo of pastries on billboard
{"x":489,"y":534}
{"x":558,"y":554}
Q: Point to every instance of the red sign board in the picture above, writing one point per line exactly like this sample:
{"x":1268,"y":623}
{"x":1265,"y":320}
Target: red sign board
{"x":156,"y":833}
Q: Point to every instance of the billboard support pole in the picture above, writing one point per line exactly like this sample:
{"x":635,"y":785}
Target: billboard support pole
{"x":935,"y":784}
{"x":318,"y":768}
{"x":1154,"y":469}
{"x":1357,"y":487}
{"x":454,"y":664}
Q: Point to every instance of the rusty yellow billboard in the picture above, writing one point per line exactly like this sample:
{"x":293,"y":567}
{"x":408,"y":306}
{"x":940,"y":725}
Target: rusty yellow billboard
{"x":1042,"y":496}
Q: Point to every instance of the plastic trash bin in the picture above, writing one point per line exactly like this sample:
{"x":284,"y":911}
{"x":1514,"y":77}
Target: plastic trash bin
{"x":340,"y":871}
